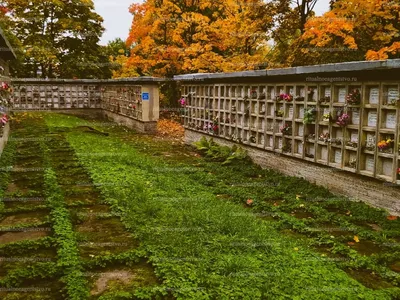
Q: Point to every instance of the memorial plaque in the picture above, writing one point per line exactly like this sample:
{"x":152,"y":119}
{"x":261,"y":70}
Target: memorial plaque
{"x":327,"y":92}
{"x":372,"y":117}
{"x":374,"y":96}
{"x":300,"y":148}
{"x":271,"y":141}
{"x":301,"y":130}
{"x":354,"y":137}
{"x":290,"y":112}
{"x":324,"y":153}
{"x":338,"y":156}
{"x":302,"y":92}
{"x":393,"y":94}
{"x":370,"y":164}
{"x":356,"y":117}
{"x":280,"y":143}
{"x":301,"y":113}
{"x":342,"y":93}
{"x":387,"y":167}
{"x":391,"y":120}
{"x":311,"y":150}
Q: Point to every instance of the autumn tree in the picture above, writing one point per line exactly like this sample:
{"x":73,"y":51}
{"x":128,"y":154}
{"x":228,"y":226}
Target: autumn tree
{"x":187,"y":36}
{"x":290,"y":19}
{"x":58,"y":37}
{"x":353,"y":30}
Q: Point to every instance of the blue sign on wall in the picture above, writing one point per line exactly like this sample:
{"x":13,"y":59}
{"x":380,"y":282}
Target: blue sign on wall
{"x":145,"y":96}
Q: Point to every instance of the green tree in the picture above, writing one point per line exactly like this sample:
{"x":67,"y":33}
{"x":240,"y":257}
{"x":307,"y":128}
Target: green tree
{"x":58,"y":37}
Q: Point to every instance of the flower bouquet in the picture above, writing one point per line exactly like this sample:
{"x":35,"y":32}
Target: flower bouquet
{"x":326,"y":117}
{"x":398,"y":173}
{"x":326,"y":99}
{"x":310,"y":137}
{"x":354,"y":98}
{"x":392,"y":101}
{"x":262,"y":96}
{"x":386,"y":145}
{"x":279,"y":113}
{"x":343,"y":120}
{"x":324,"y":137}
{"x":285,"y":97}
{"x":182,"y":102}
{"x":286,"y":129}
{"x":309,"y":115}
{"x":370,"y":144}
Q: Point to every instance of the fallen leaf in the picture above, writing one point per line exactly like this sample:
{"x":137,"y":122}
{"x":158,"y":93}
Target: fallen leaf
{"x":392,"y":218}
{"x":351,"y":243}
{"x":296,"y":249}
{"x":356,"y":239}
{"x":249,"y":202}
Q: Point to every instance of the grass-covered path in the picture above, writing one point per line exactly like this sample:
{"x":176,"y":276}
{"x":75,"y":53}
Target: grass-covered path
{"x":158,"y":209}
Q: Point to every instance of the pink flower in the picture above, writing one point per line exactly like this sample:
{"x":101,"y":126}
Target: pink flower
{"x":182,"y":101}
{"x":249,"y":202}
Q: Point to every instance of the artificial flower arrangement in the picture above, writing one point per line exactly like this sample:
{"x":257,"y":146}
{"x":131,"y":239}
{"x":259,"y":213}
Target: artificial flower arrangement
{"x":310,"y":94}
{"x":286,"y":129}
{"x":386,"y":145}
{"x":343,"y":120}
{"x":252,"y":139}
{"x":309,"y":115}
{"x":310,"y":137}
{"x":285,"y":97}
{"x":354,"y":98}
{"x":287,"y":147}
{"x":132,"y":106}
{"x":370,"y":144}
{"x":324,"y":137}
{"x":253,"y":94}
{"x":398,"y":173}
{"x":279,"y":113}
{"x":352,"y":163}
{"x":325,"y":99}
{"x":326,"y":117}
{"x":182,"y":101}
{"x":393,"y":101}
{"x":262,"y":96}
{"x":5,"y":95}
{"x":247,"y":112}
{"x":337,"y":141}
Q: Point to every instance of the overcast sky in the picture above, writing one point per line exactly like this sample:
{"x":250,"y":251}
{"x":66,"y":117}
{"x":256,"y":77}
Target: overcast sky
{"x":117,"y":19}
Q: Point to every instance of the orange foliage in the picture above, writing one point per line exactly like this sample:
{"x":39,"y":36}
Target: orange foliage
{"x":169,"y":128}
{"x":171,"y":37}
{"x":372,"y":26}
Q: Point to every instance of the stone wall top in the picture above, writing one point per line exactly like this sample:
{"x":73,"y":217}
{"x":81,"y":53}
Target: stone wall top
{"x":358,"y":66}
{"x":138,"y":80}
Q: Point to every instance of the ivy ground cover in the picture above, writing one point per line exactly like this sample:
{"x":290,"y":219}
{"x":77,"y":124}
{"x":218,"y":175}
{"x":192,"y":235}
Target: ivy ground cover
{"x":139,"y":217}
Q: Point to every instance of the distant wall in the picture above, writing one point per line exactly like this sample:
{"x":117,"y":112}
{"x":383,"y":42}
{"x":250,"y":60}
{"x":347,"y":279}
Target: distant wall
{"x":135,"y":99}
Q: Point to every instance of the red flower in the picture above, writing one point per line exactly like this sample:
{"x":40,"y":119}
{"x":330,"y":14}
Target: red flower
{"x":249,"y":202}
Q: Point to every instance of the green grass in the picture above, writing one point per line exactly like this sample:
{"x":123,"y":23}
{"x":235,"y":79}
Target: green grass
{"x":202,"y":246}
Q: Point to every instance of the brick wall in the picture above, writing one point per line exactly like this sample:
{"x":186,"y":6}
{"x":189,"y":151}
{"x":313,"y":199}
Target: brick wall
{"x":356,"y":187}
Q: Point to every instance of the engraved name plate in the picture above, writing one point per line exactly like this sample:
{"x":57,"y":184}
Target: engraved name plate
{"x":342,"y":95}
{"x":391,"y":120}
{"x":374,"y":96}
{"x":370,"y":164}
{"x":372,"y":116}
